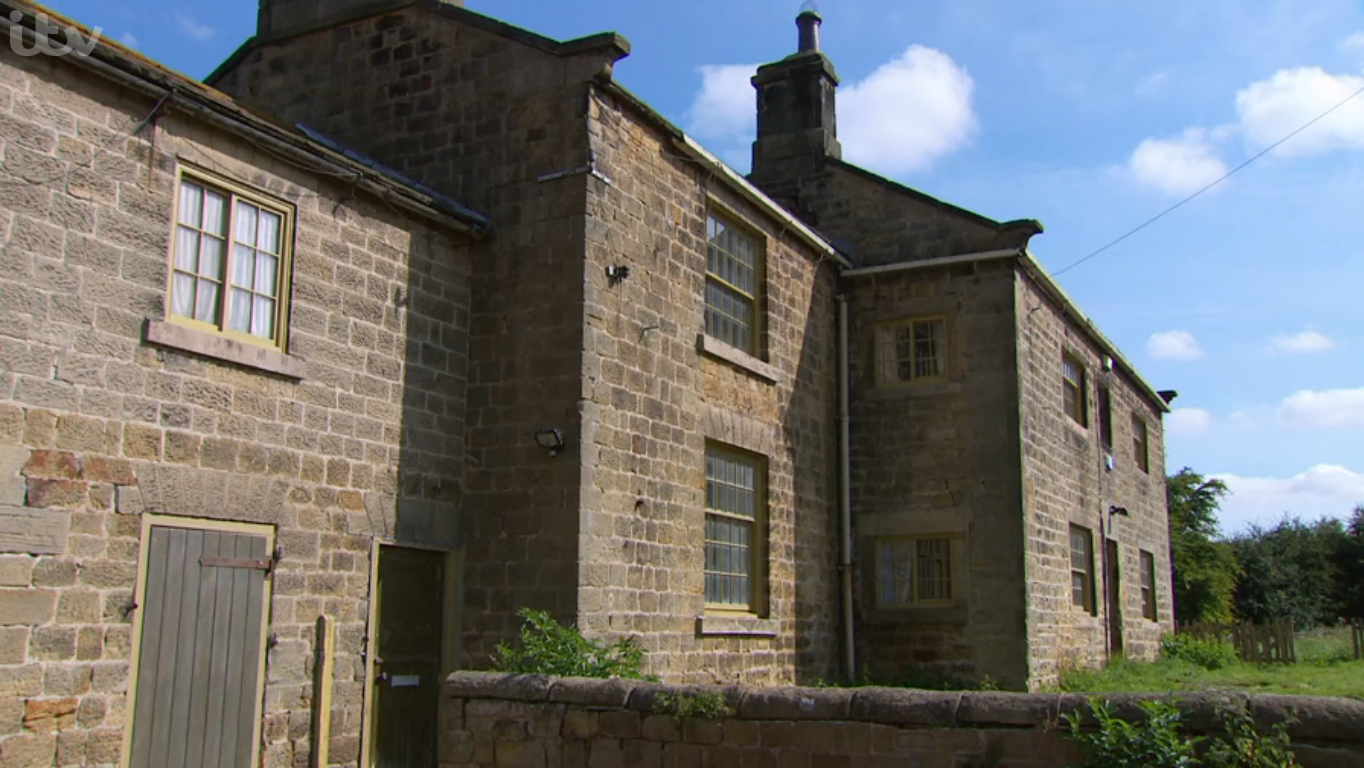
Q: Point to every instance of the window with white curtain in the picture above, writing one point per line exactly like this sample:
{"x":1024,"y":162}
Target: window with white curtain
{"x":229,"y":270}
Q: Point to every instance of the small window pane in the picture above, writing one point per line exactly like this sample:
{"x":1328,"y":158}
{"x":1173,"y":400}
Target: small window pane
{"x":186,"y":249}
{"x":243,"y":265}
{"x":246,"y":223}
{"x":191,"y":196}
{"x":263,"y":318}
{"x":267,"y":237}
{"x":211,"y":257}
{"x":182,"y":295}
{"x":215,"y":213}
{"x":206,"y":305}
{"x":240,"y":315}
{"x":267,"y":269}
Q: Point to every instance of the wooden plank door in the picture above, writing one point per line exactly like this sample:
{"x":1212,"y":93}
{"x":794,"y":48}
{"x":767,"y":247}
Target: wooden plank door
{"x":1113,"y":582}
{"x":406,"y":698}
{"x":197,"y":696}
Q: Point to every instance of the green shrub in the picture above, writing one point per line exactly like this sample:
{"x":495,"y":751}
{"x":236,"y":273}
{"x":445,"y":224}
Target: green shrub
{"x":709,"y":705}
{"x":1206,"y":653}
{"x":1240,"y":745}
{"x":550,"y":648}
{"x":1152,"y":743}
{"x":1157,"y":742}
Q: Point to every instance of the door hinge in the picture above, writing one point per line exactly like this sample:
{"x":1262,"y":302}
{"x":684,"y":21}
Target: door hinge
{"x":267,"y":565}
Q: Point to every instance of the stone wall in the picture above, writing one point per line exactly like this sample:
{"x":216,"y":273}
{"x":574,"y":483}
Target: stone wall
{"x":533,"y":721}
{"x":492,"y":116}
{"x":1066,"y":481}
{"x":98,"y":426}
{"x":940,"y":458}
{"x":652,"y":400}
{"x":881,"y":222}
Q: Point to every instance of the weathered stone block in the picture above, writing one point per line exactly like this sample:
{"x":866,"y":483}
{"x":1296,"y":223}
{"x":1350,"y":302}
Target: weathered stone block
{"x":34,"y":531}
{"x":15,"y":570}
{"x":56,"y":493}
{"x":48,"y":715}
{"x":13,"y":645}
{"x":103,"y":469}
{"x":29,"y":607}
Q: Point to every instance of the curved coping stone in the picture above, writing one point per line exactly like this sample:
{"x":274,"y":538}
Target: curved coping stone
{"x":1318,"y":719}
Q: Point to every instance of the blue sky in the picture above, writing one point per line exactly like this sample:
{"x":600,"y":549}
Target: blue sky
{"x":1092,"y":117}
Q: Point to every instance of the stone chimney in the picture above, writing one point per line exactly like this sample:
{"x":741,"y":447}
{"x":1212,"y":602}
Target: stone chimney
{"x":797,"y":124}
{"x":277,"y":16}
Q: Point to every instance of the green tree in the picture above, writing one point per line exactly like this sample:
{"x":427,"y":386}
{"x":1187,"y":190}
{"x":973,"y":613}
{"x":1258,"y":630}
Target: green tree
{"x":1350,"y":567}
{"x":1205,"y":568}
{"x":1291,"y":572}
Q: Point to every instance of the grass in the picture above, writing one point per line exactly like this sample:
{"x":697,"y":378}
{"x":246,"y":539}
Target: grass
{"x":1326,"y":667}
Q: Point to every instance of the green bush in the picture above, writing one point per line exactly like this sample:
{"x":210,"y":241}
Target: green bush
{"x":1206,"y":653}
{"x":709,"y":705}
{"x":1157,"y":741}
{"x":1241,"y":746}
{"x":1153,"y":743}
{"x":550,"y":648}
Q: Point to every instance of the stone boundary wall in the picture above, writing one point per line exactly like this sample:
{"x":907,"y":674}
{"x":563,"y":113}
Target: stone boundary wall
{"x":533,"y":721}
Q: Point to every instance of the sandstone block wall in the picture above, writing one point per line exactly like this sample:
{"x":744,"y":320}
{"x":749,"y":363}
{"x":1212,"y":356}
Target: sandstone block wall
{"x":495,"y":118}
{"x":652,"y":400}
{"x":533,"y":721}
{"x":940,"y":458}
{"x":1065,"y":481}
{"x":98,"y":426}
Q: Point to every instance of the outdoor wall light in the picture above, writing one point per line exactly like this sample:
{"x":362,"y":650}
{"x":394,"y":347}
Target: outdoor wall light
{"x":1117,"y":510}
{"x":551,"y":440}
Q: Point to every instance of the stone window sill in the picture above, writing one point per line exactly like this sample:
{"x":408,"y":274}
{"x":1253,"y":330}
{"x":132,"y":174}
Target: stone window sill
{"x":716,"y":625}
{"x":738,"y":358}
{"x":178,"y":337}
{"x":954,"y":615}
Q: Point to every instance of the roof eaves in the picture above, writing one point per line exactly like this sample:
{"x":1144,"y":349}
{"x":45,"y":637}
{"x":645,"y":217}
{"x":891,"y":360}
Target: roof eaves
{"x":610,"y":42}
{"x":1029,"y":226}
{"x":1038,"y":273}
{"x":114,"y":61}
{"x":731,"y":178}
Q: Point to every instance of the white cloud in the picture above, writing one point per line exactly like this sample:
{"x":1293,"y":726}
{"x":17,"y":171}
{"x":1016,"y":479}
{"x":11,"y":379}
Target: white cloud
{"x":128,"y":39}
{"x":1273,"y":108}
{"x":193,"y":29}
{"x":1178,"y":166}
{"x":910,"y":112}
{"x":1326,"y":408}
{"x":1305,"y":343}
{"x":1323,"y":490}
{"x":1187,"y":421}
{"x":725,"y":108}
{"x":1353,"y":42}
{"x":1173,"y":345}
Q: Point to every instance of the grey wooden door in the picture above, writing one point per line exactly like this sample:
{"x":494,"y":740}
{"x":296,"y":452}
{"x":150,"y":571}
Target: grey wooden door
{"x":197,"y":698}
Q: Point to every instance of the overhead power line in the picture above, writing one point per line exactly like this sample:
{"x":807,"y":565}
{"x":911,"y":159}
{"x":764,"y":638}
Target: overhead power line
{"x":1208,"y":186}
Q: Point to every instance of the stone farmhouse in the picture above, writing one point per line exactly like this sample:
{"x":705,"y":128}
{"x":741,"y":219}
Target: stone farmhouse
{"x":314,"y":375}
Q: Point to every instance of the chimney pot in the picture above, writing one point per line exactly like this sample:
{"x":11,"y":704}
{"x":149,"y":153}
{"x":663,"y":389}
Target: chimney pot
{"x":808,"y":24}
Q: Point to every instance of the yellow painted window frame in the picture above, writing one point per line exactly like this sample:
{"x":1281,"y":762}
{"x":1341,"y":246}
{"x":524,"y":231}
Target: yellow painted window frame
{"x":953,"y":555}
{"x":1147,"y":564}
{"x":1075,"y":410}
{"x":1090,"y":605}
{"x":758,"y":544}
{"x":235,"y":191}
{"x":732,"y":221}
{"x":940,"y":354}
{"x":1141,"y":443}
